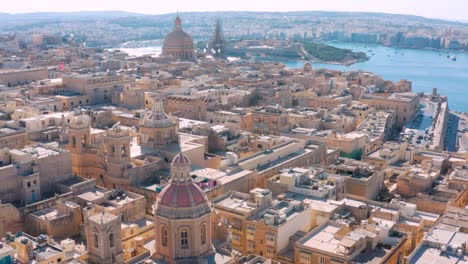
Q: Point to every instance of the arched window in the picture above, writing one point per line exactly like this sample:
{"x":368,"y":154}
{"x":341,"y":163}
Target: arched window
{"x":184,"y":239}
{"x":83,"y":140}
{"x":203,"y":234}
{"x":111,"y":240}
{"x":96,"y":241}
{"x":73,"y":141}
{"x":164,"y":236}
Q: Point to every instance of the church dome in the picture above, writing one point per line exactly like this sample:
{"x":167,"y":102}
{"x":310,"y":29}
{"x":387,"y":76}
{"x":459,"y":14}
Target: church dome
{"x":181,"y":198}
{"x":182,"y":201}
{"x":181,"y":160}
{"x":178,"y":39}
{"x":182,"y":195}
{"x":178,"y":43}
{"x":156,"y":117}
{"x":209,"y":100}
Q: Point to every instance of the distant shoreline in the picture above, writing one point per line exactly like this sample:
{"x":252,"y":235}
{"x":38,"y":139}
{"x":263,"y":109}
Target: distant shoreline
{"x":394,"y":47}
{"x":344,"y":63}
{"x":281,"y":59}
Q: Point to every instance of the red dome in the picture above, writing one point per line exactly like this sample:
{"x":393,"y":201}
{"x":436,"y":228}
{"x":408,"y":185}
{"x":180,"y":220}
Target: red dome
{"x":178,"y":43}
{"x":181,"y":198}
{"x":181,"y":195}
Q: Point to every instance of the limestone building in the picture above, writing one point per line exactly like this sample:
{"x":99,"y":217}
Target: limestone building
{"x":101,"y":88}
{"x":13,"y":137}
{"x":29,"y":174}
{"x":405,"y":105}
{"x":13,"y":77}
{"x":103,"y":236}
{"x":257,"y":224}
{"x":187,"y":106}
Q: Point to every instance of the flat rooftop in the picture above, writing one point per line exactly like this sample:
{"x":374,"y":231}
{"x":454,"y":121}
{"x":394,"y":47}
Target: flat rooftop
{"x":323,"y":239}
{"x":209,"y":173}
{"x":37,"y":151}
{"x":103,"y":217}
{"x":46,"y":252}
{"x":430,"y":255}
{"x":140,"y":223}
{"x":235,"y":202}
{"x":6,"y":249}
{"x":7,"y":130}
{"x":91,"y":196}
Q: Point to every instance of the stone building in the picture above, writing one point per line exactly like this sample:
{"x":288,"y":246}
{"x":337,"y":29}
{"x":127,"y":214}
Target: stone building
{"x":30,"y":249}
{"x":101,"y":88}
{"x":445,"y":242}
{"x":183,"y":217}
{"x":268,"y":120}
{"x":122,"y":156}
{"x":257,"y":224}
{"x":29,"y":174}
{"x":63,"y":220}
{"x":13,"y":137}
{"x":83,"y":145}
{"x":405,"y":105}
{"x":14,"y":77}
{"x":311,"y":181}
{"x":360,"y":178}
{"x":103,"y":238}
{"x":330,"y":101}
{"x":177,"y":43}
{"x":418,"y":178}
{"x":368,"y":243}
{"x":187,"y":106}
{"x":389,"y":154}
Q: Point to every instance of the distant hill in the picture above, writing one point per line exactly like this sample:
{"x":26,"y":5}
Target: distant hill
{"x":116,"y":14}
{"x":108,"y":28}
{"x":66,"y":15}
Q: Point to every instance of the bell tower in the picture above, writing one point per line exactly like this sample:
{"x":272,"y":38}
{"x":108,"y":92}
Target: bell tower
{"x":104,"y":239}
{"x":79,"y":133}
{"x":79,"y":137}
{"x":118,"y":152}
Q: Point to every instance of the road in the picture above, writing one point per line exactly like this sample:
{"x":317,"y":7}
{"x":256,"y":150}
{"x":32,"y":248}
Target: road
{"x":418,"y":129}
{"x":458,"y":131}
{"x":451,"y":134}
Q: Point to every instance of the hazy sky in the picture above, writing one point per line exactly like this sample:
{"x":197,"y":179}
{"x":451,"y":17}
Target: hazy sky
{"x":446,"y":9}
